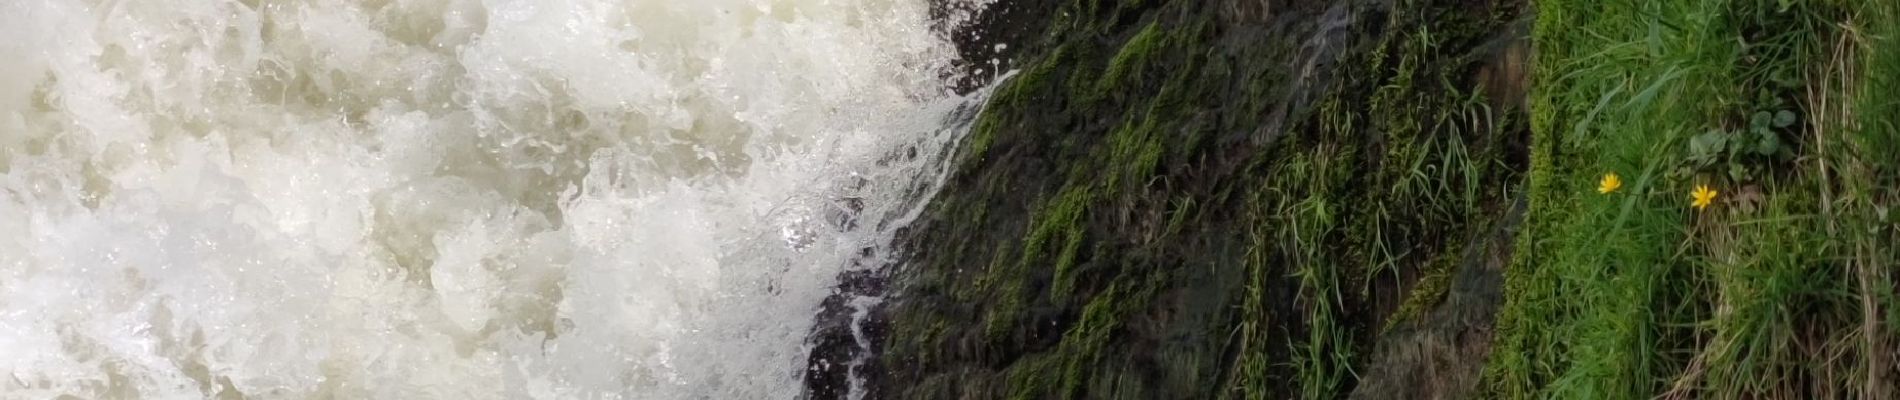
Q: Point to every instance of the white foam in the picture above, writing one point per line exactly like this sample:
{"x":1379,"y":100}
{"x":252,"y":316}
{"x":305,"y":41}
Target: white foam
{"x":444,"y":198}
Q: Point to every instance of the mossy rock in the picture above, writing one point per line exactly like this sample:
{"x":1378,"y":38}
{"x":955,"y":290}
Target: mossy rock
{"x":1202,"y":199}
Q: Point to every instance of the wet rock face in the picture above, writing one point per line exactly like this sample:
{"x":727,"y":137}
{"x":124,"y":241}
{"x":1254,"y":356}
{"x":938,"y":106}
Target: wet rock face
{"x":1440,"y":354}
{"x":990,"y":39}
{"x":847,"y":329}
{"x":1245,"y":12}
{"x":1192,"y":199}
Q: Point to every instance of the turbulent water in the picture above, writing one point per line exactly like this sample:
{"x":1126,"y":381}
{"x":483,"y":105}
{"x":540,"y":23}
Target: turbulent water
{"x":448,"y":198}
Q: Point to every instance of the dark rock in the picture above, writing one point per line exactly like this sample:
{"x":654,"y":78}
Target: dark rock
{"x":1439,"y":355}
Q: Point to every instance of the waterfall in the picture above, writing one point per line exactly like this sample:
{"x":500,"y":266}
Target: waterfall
{"x":475,"y":199}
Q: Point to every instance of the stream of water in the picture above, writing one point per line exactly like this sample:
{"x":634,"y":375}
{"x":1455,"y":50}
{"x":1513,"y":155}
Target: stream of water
{"x":449,"y":198}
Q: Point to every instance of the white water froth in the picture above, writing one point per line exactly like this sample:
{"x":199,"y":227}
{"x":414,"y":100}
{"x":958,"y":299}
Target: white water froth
{"x":446,"y":198}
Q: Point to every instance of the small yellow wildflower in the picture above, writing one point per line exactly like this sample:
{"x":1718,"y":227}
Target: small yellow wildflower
{"x":1703,"y":196}
{"x":1610,"y":183}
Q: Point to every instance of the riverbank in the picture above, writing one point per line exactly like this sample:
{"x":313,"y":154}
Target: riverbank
{"x":1209,"y":199}
{"x":1370,"y":199}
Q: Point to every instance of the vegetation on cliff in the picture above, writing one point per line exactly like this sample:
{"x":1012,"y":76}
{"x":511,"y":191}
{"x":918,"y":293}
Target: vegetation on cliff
{"x":1321,"y":199}
{"x":1206,"y":199}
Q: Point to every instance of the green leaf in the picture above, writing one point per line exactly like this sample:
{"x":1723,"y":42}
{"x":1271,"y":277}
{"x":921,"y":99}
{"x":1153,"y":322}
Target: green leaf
{"x":1768,"y":144}
{"x":1761,"y":119}
{"x":1736,"y":171}
{"x":1707,"y":144}
{"x":1784,"y":119}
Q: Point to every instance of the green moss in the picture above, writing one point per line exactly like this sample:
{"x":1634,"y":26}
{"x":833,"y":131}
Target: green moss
{"x":1060,"y":221}
{"x":1030,"y":378}
{"x":1124,"y":164}
{"x":1082,"y":345}
{"x":1002,"y":286}
{"x":1430,"y":289}
{"x":1019,"y":90}
{"x":1135,"y":57}
{"x":982,"y":135}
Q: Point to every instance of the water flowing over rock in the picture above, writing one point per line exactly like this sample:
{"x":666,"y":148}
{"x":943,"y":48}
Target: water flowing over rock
{"x":448,"y":198}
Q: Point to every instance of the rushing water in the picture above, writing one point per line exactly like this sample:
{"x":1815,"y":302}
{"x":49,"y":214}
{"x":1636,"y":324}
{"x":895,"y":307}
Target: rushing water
{"x":448,"y":198}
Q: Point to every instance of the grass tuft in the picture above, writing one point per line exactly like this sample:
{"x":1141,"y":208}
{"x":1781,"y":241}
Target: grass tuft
{"x":1768,"y":292}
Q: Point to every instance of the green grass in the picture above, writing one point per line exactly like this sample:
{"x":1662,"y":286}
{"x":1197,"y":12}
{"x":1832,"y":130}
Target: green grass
{"x":1322,"y":360}
{"x":1637,"y":295}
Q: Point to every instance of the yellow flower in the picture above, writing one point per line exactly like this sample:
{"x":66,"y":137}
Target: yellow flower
{"x":1610,"y":183}
{"x":1702,"y":197}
